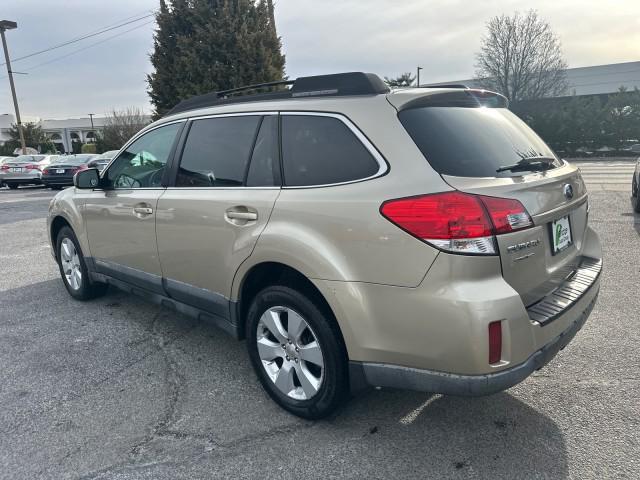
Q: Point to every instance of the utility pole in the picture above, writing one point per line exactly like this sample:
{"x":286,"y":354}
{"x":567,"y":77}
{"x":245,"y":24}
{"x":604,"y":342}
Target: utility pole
{"x":418,"y":77}
{"x":9,"y":25}
{"x":91,"y":117}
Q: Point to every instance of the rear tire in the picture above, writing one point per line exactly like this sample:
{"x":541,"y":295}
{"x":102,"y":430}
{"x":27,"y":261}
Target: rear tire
{"x":73,"y":268}
{"x":13,"y":186}
{"x":304,"y":365}
{"x":635,"y":195}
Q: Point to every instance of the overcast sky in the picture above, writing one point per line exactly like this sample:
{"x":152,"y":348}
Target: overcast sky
{"x":319,"y":36}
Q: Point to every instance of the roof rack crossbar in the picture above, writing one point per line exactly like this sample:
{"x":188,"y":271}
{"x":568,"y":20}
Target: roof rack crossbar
{"x":256,"y":86}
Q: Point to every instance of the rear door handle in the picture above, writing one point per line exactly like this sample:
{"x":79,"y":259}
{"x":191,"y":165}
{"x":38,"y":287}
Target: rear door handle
{"x":242,"y":215}
{"x":142,"y":210}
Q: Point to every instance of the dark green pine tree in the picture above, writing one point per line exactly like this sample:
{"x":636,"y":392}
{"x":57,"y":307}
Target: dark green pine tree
{"x":202,"y":46}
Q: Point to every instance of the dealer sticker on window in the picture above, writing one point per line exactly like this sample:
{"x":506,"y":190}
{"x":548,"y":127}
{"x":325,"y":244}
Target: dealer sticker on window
{"x":561,"y":234}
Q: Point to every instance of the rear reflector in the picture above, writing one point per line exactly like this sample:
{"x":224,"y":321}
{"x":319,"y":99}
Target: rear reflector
{"x":495,"y":342}
{"x":457,"y":222}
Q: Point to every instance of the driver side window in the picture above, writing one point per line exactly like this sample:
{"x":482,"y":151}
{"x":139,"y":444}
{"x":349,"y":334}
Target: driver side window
{"x":142,"y":164}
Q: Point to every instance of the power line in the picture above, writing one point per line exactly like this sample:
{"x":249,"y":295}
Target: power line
{"x":85,"y":48}
{"x":77,"y":39}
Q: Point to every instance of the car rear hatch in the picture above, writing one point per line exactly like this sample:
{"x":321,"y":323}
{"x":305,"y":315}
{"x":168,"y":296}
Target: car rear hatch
{"x":61,"y":169}
{"x":479,"y":147}
{"x":18,"y":169}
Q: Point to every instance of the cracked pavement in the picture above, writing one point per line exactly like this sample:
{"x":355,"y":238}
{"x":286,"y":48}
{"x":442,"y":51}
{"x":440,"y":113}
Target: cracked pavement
{"x":118,"y":388}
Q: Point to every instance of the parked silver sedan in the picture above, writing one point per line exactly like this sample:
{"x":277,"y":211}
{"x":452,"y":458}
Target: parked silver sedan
{"x":22,"y":170}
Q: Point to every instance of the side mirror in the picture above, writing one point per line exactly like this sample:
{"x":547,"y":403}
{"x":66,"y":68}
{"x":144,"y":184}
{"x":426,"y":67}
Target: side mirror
{"x":89,"y":178}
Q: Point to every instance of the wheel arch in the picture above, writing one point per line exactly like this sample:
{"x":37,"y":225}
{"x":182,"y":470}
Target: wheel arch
{"x":264,"y":274}
{"x":57,"y":224}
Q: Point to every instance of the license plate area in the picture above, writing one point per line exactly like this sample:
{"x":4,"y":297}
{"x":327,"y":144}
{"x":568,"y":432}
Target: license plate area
{"x":561,"y":235}
{"x":60,"y":170}
{"x":16,"y":170}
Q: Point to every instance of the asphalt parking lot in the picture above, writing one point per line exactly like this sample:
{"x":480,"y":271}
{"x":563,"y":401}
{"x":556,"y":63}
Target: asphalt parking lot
{"x":117,"y":388}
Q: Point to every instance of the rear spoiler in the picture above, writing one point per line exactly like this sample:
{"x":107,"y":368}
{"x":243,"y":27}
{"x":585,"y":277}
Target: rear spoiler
{"x":468,"y":98}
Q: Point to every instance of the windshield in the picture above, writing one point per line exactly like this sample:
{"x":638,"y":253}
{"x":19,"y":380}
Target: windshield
{"x":107,"y":155}
{"x":473,"y":142}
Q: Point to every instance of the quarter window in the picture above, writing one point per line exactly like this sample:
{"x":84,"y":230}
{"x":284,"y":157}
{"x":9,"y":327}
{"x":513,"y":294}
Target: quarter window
{"x":319,"y":150}
{"x":142,"y":164}
{"x":216,"y":153}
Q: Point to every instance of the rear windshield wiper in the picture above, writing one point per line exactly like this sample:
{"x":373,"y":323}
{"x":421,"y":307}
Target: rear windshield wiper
{"x":533,"y":164}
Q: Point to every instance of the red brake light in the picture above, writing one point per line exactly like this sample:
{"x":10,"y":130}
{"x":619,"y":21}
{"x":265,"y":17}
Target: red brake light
{"x":495,"y":342}
{"x":4,"y":167}
{"x":457,"y":222}
{"x":32,"y":167}
{"x":440,"y":216}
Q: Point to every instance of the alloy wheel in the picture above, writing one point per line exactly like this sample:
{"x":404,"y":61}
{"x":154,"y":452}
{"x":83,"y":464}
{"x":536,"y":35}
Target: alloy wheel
{"x":290,"y":353}
{"x":70,"y":262}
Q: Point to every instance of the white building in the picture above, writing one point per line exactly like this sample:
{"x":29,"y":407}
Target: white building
{"x":61,"y":132}
{"x":594,"y":80}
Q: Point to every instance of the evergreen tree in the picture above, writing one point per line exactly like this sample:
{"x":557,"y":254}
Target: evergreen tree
{"x":208,"y":45}
{"x":34,"y":137}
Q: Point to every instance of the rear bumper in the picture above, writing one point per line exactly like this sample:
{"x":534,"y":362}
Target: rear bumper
{"x":61,"y":180}
{"x":15,"y":178}
{"x":434,"y":337}
{"x":394,"y":376}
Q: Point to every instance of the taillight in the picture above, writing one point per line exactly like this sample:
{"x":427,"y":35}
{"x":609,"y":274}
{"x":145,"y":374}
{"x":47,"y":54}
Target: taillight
{"x":32,"y":167}
{"x":495,"y":342}
{"x":82,"y":167}
{"x":4,"y":167}
{"x":506,"y":214}
{"x":457,"y":222}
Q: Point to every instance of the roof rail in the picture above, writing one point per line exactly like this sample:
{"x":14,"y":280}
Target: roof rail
{"x":338,"y":84}
{"x":225,"y":93}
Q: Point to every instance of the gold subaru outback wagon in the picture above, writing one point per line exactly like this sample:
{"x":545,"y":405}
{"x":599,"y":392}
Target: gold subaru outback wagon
{"x":422,"y":238}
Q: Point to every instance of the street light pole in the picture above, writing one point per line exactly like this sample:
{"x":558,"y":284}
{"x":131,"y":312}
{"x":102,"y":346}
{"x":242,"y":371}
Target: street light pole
{"x":8,"y":25}
{"x":418,"y":77}
{"x":91,"y":117}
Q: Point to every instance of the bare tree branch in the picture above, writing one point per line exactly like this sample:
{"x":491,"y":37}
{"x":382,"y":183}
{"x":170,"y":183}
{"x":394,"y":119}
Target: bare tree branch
{"x":521,"y":58}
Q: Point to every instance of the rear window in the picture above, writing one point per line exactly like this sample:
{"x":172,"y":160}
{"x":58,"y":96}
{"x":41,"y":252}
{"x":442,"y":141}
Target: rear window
{"x":472,"y":142}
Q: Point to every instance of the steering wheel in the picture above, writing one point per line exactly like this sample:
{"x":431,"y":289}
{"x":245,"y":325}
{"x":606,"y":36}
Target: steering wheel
{"x":155,"y":179}
{"x":127,"y":181}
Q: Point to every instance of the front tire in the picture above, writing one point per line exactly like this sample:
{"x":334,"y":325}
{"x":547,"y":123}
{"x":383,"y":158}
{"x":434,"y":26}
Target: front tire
{"x":297,"y":352}
{"x":13,"y":186}
{"x":635,"y":195}
{"x":73,"y":268}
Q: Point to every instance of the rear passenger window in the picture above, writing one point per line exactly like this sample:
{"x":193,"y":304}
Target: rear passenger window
{"x":319,"y":150}
{"x":264,"y":160}
{"x":216,"y":153}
